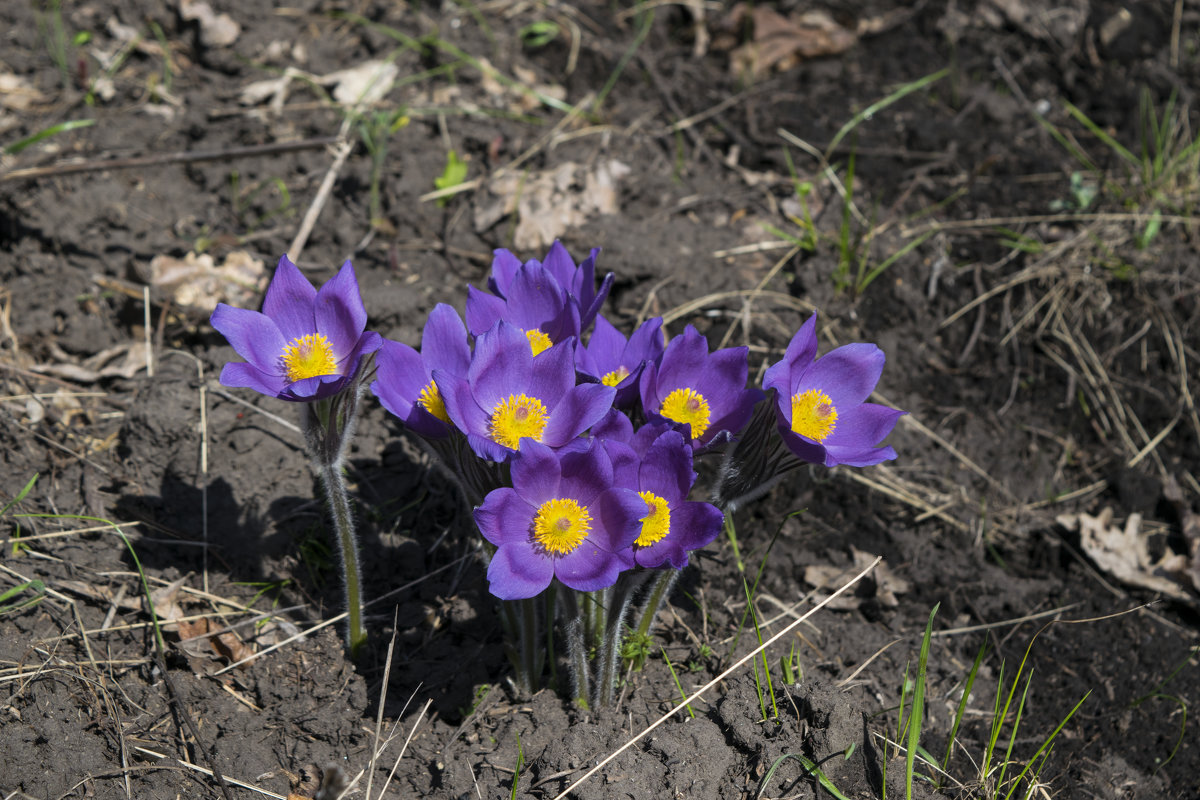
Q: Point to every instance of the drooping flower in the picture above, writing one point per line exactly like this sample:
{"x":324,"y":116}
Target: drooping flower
{"x":661,"y":472}
{"x":509,"y":395}
{"x":819,"y":402}
{"x":535,"y":302}
{"x":562,"y":518}
{"x":616,"y":361}
{"x":405,"y":383}
{"x":704,"y":391}
{"x":579,"y":282}
{"x":306,"y":345}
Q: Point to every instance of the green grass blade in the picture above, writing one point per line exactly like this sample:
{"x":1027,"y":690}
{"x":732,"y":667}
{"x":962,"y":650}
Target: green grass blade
{"x":879,"y":105}
{"x":1102,"y":135}
{"x":20,"y":495}
{"x":1046,"y":743}
{"x":962,"y":704}
{"x":865,"y":281}
{"x":678,"y":685}
{"x":46,"y":133}
{"x":36,"y":587}
{"x":917,"y":714}
{"x":809,"y":766}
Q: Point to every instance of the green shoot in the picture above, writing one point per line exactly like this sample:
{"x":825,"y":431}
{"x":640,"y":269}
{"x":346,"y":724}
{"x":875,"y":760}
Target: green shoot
{"x":645,"y":21}
{"x":242,"y":200}
{"x":763,"y":656}
{"x":841,"y":273}
{"x":539,"y":34}
{"x":873,"y":109}
{"x":517,"y":771}
{"x":962,"y":705}
{"x":454,"y":174}
{"x":17,"y":545}
{"x":635,"y":649}
{"x":731,"y":534}
{"x":809,"y":767}
{"x":1157,"y":694}
{"x":46,"y":133}
{"x":678,"y":685}
{"x":375,"y":130}
{"x":916,"y":715}
{"x":790,"y":666}
{"x":36,"y":588}
{"x":762,"y":565}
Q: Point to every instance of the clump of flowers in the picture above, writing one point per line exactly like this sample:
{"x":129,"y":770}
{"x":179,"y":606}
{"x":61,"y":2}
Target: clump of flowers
{"x":574,"y":444}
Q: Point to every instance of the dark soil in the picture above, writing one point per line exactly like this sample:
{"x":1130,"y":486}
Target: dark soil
{"x":1064,"y":388}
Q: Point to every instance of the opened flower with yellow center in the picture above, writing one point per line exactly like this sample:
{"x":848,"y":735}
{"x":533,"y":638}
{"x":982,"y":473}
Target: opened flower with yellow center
{"x":404,"y":383}
{"x":562,"y":518}
{"x":509,"y":396}
{"x":820,"y":402}
{"x":535,"y":302}
{"x":656,"y":461}
{"x":306,"y":344}
{"x":616,"y":361}
{"x":700,"y":392}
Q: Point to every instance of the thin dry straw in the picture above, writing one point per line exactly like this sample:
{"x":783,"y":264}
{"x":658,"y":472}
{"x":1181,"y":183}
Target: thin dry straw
{"x":695,"y":695}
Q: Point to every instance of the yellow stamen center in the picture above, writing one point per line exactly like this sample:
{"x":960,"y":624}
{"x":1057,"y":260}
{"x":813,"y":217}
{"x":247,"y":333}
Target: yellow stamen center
{"x":538,"y":341}
{"x":813,"y":415}
{"x":515,"y":418}
{"x":561,"y":525}
{"x":307,"y":357}
{"x":657,"y":523}
{"x":616,"y":376}
{"x":685,"y":405}
{"x":431,"y":401}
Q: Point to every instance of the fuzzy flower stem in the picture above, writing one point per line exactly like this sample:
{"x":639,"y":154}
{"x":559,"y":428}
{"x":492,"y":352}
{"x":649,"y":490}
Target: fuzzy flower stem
{"x":660,"y":590}
{"x":328,"y":427}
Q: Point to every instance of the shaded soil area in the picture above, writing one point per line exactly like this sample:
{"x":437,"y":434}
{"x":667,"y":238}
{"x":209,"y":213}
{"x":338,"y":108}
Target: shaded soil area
{"x":1034,"y":286}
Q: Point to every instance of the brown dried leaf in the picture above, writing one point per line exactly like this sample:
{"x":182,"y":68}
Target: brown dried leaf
{"x":886,"y":583}
{"x":1124,"y":553}
{"x":195,"y":281}
{"x":781,"y":42}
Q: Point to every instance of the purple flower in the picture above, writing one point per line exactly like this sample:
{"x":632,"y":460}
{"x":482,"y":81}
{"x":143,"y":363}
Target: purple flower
{"x":405,"y":384}
{"x":579,"y":281}
{"x":616,"y":361}
{"x":819,"y":402}
{"x":535,"y":302}
{"x":562,"y":519}
{"x":306,"y":344}
{"x":508,"y":395}
{"x":705,"y":391}
{"x":675,"y":526}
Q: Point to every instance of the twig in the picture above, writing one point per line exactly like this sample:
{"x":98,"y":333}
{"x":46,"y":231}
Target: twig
{"x":184,"y":157}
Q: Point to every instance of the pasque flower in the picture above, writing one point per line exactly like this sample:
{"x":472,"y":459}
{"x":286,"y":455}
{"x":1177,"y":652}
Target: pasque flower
{"x":616,"y":361}
{"x":562,"y":518}
{"x":579,"y":282}
{"x":704,"y":391}
{"x":509,"y":395}
{"x":819,"y":402}
{"x":405,"y":384}
{"x":658,"y":464}
{"x":306,"y":344}
{"x":534,"y":301}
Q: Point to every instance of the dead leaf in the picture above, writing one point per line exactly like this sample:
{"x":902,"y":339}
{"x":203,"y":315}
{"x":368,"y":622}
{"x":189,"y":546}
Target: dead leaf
{"x":97,"y":367}
{"x":1124,"y":553}
{"x":200,"y":639}
{"x":780,"y":42}
{"x":216,"y":30}
{"x":886,"y":583}
{"x":18,"y":94}
{"x":551,"y":202}
{"x":166,"y":605}
{"x":195,"y":281}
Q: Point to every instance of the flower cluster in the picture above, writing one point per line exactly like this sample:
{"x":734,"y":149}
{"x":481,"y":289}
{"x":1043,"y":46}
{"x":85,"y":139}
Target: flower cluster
{"x":574,"y":443}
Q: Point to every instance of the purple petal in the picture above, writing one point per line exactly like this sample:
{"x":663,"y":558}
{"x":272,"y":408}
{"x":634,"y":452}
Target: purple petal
{"x":625,"y":463}
{"x":401,"y":378}
{"x":579,"y":409}
{"x":683,"y":361}
{"x":606,"y":347}
{"x":801,"y":350}
{"x":339,"y":312}
{"x":460,"y":404}
{"x":444,"y":342}
{"x":865,"y":425}
{"x":736,"y":415}
{"x":802,"y":448}
{"x":724,"y":376}
{"x":620,"y":516}
{"x":504,"y":268}
{"x":646,"y":343}
{"x":588,"y":567}
{"x":483,"y":310}
{"x":289,"y":301}
{"x":591,"y":309}
{"x":535,"y":473}
{"x":518,"y":571}
{"x":489,"y":449}
{"x":614,"y":426}
{"x":848,"y":374}
{"x":240,"y":375}
{"x":502,"y":365}
{"x":560,"y":264}
{"x":552,"y":374}
{"x":534,"y":298}
{"x":585,"y":474}
{"x":504,"y":516}
{"x":666,"y":469}
{"x":317,"y":387}
{"x":254,"y":336}
{"x":693,"y":525}
{"x":858,"y":457}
